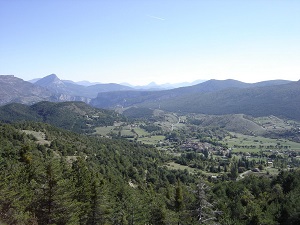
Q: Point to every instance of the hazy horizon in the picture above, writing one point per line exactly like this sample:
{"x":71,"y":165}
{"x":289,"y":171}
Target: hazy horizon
{"x":145,"y":84}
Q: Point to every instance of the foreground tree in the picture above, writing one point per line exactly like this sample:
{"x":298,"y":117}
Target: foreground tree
{"x":54,"y":203}
{"x":204,"y":211}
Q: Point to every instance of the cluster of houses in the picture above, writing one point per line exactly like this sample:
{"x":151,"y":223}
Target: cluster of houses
{"x":202,"y":147}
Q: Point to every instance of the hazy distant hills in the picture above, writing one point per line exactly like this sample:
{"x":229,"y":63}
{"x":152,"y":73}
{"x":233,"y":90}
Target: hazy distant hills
{"x":275,"y":97}
{"x":54,"y":84}
{"x":279,"y":100}
{"x":166,"y":86}
{"x":75,"y":116}
{"x":49,"y":88}
{"x":13,"y":89}
{"x":151,"y":86}
{"x":129,"y":98}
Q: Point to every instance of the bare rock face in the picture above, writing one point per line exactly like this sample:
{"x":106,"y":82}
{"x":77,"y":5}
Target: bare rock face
{"x":69,"y":98}
{"x":52,"y":83}
{"x":50,"y":88}
{"x":69,"y":88}
{"x":13,"y":89}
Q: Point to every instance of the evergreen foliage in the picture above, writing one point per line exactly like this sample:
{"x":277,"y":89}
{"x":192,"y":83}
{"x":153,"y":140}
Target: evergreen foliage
{"x":76,"y":116}
{"x":77,"y":179}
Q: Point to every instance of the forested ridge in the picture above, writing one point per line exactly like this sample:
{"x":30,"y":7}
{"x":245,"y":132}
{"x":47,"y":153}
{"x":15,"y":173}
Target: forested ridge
{"x":75,"y":116}
{"x":214,"y":98}
{"x":74,"y":179}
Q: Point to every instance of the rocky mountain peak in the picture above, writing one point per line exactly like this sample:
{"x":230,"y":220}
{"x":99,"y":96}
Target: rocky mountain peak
{"x":50,"y":81}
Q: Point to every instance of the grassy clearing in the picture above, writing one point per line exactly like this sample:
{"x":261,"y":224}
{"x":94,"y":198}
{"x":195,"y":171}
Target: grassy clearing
{"x":273,"y":123}
{"x":153,"y":140}
{"x":176,"y":166}
{"x":257,"y":142}
{"x":126,"y":132}
{"x":105,"y":130}
{"x":40,"y":136}
{"x":141,"y":132}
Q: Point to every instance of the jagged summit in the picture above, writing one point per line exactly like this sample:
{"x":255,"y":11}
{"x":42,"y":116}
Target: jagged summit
{"x":14,"y":89}
{"x":70,"y":88}
{"x":51,"y":79}
{"x":53,"y":83}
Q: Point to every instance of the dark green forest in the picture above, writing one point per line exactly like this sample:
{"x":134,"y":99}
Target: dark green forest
{"x":76,"y":179}
{"x":75,"y":116}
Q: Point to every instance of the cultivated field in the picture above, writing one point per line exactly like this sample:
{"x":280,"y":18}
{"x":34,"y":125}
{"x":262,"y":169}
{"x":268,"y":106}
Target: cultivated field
{"x":247,"y":143}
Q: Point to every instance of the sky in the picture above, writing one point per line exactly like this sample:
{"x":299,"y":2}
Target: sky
{"x":162,"y":41}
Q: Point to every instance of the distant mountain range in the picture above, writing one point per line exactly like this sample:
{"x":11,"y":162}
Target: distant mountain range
{"x":279,"y":100}
{"x":275,"y":97}
{"x":130,"y":98}
{"x":166,"y":86}
{"x":278,"y":97}
{"x":13,"y":89}
{"x":54,"y":84}
{"x":150,"y":86}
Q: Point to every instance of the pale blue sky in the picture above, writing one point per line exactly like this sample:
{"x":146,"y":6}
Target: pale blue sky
{"x":165,"y":41}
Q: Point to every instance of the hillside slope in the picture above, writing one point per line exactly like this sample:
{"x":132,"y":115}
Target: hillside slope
{"x":234,"y":123}
{"x":72,"y":178}
{"x":13,"y":89}
{"x":279,"y":100}
{"x":75,"y":116}
{"x":129,"y":98}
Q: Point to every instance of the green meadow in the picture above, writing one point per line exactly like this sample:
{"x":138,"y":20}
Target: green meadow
{"x":247,"y":143}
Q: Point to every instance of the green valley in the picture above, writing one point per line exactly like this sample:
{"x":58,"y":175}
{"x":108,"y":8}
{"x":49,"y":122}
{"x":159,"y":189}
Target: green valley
{"x":152,"y":168}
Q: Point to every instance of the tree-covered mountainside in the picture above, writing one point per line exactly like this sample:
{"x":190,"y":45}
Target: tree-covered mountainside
{"x":75,"y":179}
{"x":75,"y":116}
{"x":257,"y":100}
{"x":279,"y":100}
{"x":53,"y":176}
{"x":129,"y":98}
{"x":157,"y":167}
{"x":138,"y":113}
{"x":210,"y":97}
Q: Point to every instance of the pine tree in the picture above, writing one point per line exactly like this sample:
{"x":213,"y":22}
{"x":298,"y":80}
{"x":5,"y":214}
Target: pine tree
{"x":83,"y":187}
{"x":96,"y":215}
{"x":15,"y":195}
{"x":178,"y":197}
{"x":54,"y":202}
{"x":157,"y":215}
